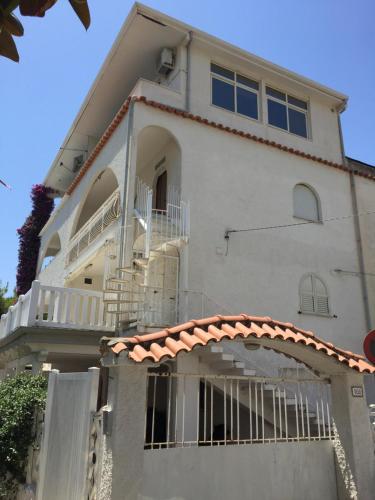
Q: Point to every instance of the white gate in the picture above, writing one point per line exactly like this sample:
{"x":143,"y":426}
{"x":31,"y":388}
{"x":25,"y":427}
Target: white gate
{"x":71,"y":401}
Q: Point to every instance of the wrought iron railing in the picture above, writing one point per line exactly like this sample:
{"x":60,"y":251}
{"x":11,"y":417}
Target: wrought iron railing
{"x":213,"y":410}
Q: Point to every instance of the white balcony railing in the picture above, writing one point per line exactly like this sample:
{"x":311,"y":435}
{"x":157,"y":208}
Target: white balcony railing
{"x":59,"y":307}
{"x":94,"y":227}
{"x":161,"y":226}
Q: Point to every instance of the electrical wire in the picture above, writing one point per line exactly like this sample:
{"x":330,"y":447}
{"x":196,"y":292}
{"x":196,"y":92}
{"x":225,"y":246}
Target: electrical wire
{"x":229,"y":231}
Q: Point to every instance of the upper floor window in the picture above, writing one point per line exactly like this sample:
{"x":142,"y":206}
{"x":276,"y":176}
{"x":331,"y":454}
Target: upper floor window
{"x":234,"y":92}
{"x":306,"y":203}
{"x":313,"y":296}
{"x":287,"y":112}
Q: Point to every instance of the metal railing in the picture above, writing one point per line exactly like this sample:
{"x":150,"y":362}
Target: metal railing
{"x":45,"y":305}
{"x":213,"y":410}
{"x":161,"y":226}
{"x":94,"y":227}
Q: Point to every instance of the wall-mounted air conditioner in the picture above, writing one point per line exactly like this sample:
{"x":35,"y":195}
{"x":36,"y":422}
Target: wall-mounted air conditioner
{"x":165,"y":62}
{"x":78,"y":161}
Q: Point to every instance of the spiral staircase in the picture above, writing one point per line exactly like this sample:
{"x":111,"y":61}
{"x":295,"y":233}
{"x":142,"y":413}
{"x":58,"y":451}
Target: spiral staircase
{"x":145,"y":293}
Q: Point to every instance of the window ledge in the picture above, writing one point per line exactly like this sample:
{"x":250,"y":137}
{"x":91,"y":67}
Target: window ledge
{"x":312,"y":221}
{"x":328,"y":316}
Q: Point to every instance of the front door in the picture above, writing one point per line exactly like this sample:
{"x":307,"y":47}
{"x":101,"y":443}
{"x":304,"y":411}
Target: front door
{"x":161,"y":192}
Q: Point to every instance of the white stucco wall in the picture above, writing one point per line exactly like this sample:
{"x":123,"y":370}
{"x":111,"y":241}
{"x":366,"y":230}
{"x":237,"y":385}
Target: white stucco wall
{"x":280,"y":471}
{"x":366,"y":209}
{"x":325,"y":139}
{"x":234,"y":183}
{"x":112,"y":156}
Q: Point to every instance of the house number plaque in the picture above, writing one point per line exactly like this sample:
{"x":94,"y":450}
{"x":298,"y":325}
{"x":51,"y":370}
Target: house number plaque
{"x":357,"y":391}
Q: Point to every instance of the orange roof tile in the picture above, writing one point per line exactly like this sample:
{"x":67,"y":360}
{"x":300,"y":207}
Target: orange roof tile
{"x":168,"y":343}
{"x":184,"y":114}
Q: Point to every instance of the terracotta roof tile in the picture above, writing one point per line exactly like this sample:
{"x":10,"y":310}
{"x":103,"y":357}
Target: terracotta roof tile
{"x":168,"y":343}
{"x":169,"y":109}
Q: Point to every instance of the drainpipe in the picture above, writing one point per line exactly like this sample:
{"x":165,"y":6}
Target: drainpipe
{"x":125,"y":194}
{"x":357,"y":231}
{"x":187,"y":87}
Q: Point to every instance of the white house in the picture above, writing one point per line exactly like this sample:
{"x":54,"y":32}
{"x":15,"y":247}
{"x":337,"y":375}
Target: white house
{"x":199,"y":179}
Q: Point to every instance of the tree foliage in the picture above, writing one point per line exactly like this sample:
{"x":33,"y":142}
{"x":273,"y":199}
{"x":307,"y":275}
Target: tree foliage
{"x":5,"y":302}
{"x":29,"y":241}
{"x":20,"y":397}
{"x":10,"y":25}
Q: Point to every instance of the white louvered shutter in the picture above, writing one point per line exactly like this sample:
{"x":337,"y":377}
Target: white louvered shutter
{"x":306,"y":295}
{"x":321,"y":305}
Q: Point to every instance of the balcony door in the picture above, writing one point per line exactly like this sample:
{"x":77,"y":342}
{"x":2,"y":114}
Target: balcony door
{"x":161,"y":192}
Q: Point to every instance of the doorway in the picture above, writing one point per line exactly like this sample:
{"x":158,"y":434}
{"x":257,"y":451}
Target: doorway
{"x":161,"y":192}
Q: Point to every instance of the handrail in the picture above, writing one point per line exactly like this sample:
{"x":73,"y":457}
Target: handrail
{"x":171,"y":224}
{"x":108,"y":212}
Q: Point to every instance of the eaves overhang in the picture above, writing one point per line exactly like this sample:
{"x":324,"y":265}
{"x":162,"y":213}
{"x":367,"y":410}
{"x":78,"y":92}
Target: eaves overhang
{"x":131,"y":58}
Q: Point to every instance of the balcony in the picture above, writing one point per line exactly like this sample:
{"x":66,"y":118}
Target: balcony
{"x":57,"y":307}
{"x":104,"y":217}
{"x":156,"y":92}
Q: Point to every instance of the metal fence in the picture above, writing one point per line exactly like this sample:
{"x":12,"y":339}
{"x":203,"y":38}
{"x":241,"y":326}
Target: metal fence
{"x":213,"y":410}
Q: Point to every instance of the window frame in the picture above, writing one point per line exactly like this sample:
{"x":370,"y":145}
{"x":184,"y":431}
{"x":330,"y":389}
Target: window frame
{"x":318,"y":203}
{"x":236,"y":84}
{"x":314,"y":277}
{"x":287,"y":106}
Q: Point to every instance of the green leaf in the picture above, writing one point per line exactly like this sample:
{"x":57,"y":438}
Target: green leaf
{"x":82,"y":10}
{"x":8,"y":47}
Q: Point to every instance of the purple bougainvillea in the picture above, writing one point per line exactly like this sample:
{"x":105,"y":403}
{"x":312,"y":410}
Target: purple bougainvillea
{"x":29,"y":241}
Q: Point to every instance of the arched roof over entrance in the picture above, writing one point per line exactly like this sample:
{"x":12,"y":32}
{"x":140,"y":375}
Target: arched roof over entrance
{"x":284,"y":338}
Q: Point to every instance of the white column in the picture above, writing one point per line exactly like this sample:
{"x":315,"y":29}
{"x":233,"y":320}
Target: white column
{"x":33,"y":304}
{"x":127,"y":398}
{"x":354,"y":446}
{"x":187,"y":397}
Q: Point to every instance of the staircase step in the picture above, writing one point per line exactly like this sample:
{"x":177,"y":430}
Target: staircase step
{"x":119,"y":301}
{"x":212,"y":349}
{"x":117,"y":291}
{"x":119,"y":313}
{"x":141,"y":262}
{"x":127,"y":282}
{"x":244,"y":372}
{"x":129,"y":270}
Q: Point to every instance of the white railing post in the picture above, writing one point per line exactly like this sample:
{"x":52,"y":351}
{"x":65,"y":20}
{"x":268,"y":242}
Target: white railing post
{"x":33,"y":305}
{"x":149,"y":223}
{"x":19,"y":311}
{"x":8,"y":324}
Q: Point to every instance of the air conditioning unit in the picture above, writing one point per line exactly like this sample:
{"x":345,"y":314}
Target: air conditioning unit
{"x":78,"y":161}
{"x":166,"y":61}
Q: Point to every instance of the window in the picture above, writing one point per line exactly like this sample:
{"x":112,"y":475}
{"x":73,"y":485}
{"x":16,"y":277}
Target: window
{"x":313,"y":296}
{"x":306,"y":203}
{"x":234,"y":92}
{"x":287,"y":112}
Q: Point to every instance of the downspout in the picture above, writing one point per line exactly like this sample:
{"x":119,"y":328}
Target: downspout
{"x":188,"y":58}
{"x":357,"y":232}
{"x":125,"y":194}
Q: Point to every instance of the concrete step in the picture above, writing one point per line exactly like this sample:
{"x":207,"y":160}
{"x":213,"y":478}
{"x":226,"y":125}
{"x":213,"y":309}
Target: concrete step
{"x":118,"y":292}
{"x":129,"y":270}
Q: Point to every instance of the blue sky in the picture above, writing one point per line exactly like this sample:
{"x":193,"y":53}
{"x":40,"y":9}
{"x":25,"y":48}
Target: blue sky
{"x":331,"y":41}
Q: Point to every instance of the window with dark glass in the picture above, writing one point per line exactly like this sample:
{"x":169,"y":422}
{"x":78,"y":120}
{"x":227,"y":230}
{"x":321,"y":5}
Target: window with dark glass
{"x":234,"y":92}
{"x":287,"y":112}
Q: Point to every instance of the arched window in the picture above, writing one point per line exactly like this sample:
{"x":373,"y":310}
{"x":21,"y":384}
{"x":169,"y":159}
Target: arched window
{"x":313,"y":296}
{"x":306,"y":203}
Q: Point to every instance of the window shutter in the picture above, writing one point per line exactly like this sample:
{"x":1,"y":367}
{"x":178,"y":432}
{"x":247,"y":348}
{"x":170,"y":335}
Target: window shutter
{"x":307,"y":303}
{"x":321,"y":304}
